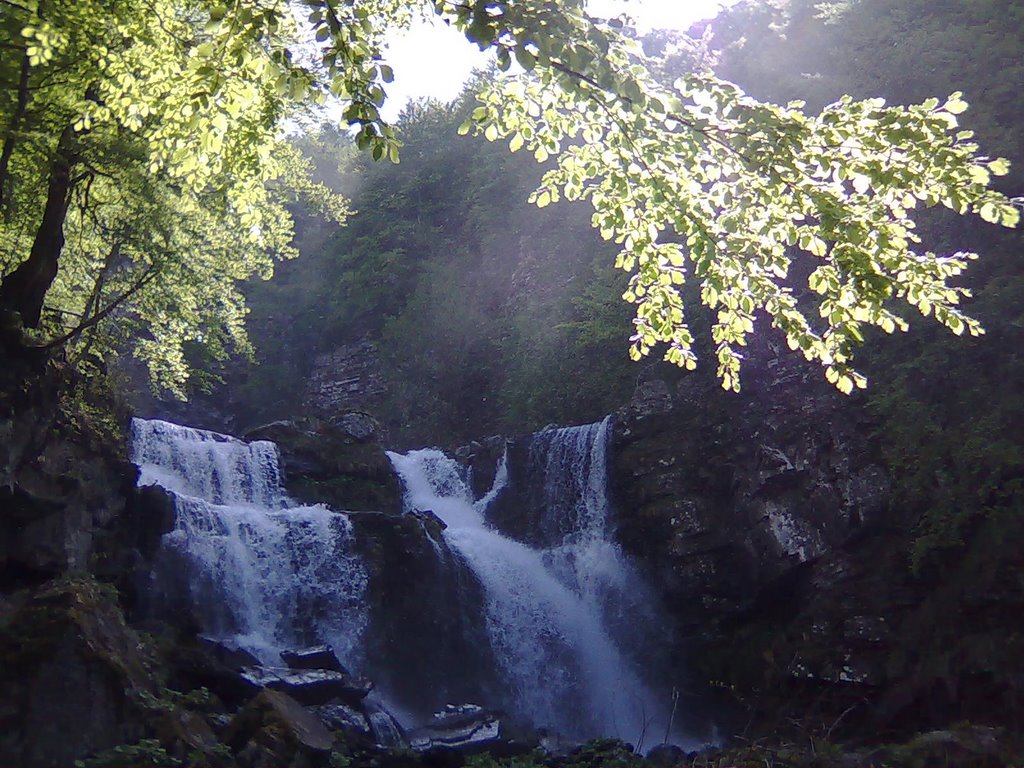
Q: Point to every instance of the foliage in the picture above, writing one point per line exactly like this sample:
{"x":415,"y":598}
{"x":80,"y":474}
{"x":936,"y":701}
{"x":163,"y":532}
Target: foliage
{"x":701,"y":180}
{"x":169,"y":699}
{"x":948,"y":418}
{"x":143,"y":173}
{"x":145,"y":752}
{"x":166,"y":118}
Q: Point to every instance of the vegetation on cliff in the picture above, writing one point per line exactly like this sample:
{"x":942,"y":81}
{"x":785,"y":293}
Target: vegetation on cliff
{"x":142,"y":170}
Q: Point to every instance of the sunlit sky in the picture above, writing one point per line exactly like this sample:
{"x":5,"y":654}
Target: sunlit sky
{"x":433,"y":60}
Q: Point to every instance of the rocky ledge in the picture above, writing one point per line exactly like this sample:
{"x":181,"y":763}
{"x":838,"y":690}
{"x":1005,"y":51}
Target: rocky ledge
{"x":338,"y":461}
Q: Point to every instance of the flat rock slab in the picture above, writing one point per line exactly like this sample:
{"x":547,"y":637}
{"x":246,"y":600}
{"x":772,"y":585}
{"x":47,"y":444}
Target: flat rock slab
{"x":314,"y":657}
{"x":310,"y":686}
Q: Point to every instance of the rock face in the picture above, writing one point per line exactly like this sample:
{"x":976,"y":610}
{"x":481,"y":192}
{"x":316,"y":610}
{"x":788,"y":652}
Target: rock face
{"x":765,"y":520}
{"x":722,"y":494}
{"x":339,"y":462}
{"x":426,"y":613}
{"x":345,"y":378}
{"x":64,"y":480}
{"x":68,"y":499}
{"x":75,"y":681}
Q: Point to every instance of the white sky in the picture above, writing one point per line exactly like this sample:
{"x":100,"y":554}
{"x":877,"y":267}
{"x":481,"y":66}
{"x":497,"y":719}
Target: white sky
{"x":434,"y":60}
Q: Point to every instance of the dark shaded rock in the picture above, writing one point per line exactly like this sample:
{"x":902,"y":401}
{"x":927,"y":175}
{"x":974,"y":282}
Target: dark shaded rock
{"x":427,"y":641}
{"x":349,"y":721}
{"x":314,"y":657}
{"x":310,"y":686}
{"x":230,"y":654}
{"x":359,"y":426}
{"x":482,"y":458}
{"x":387,"y":731}
{"x":275,"y":731}
{"x":666,"y":756}
{"x":208,"y":664}
{"x":430,"y":517}
{"x":64,"y":478}
{"x":328,"y":462}
{"x":151,"y":514}
{"x":75,"y":680}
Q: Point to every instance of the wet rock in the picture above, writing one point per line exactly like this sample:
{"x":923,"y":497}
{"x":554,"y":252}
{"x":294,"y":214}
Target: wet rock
{"x":314,"y":657}
{"x":466,"y":727}
{"x":340,"y":462}
{"x":350,"y":721}
{"x":387,"y":731}
{"x":482,"y":459}
{"x":275,"y":731}
{"x":310,"y":686}
{"x":228,"y":653}
{"x":429,"y":516}
{"x":426,"y":641}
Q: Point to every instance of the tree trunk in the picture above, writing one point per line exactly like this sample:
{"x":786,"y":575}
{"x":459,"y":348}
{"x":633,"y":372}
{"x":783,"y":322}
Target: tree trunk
{"x":6,"y":192}
{"x":24,"y":289}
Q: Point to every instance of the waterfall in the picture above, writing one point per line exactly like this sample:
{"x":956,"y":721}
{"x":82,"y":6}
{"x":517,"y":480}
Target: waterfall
{"x":552,"y":612}
{"x":554,"y":628}
{"x":247,"y":563}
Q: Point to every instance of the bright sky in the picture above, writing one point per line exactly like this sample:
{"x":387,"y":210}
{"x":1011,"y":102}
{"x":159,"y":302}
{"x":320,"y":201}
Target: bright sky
{"x":434,"y":60}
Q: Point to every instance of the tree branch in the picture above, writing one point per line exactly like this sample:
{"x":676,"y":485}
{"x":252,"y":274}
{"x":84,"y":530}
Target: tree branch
{"x":147,"y":277}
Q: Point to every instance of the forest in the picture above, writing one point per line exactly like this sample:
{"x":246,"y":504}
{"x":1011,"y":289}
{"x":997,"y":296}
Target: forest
{"x":769,"y":263}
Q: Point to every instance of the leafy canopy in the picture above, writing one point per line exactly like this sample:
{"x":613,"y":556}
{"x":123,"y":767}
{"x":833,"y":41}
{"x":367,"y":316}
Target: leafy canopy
{"x":180,"y":176}
{"x":697,"y":180}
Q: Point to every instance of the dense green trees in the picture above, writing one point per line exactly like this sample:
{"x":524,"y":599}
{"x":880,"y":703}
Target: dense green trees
{"x":181,"y":102}
{"x":142,"y":175}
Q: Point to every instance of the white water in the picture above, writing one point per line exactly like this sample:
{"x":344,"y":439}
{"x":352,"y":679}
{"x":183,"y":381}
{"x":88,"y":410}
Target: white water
{"x":261,"y":570}
{"x":548,"y":614}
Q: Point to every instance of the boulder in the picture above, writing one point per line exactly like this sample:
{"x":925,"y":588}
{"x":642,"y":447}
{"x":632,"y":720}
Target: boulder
{"x":471,"y":729}
{"x":314,"y":657}
{"x":228,"y":653}
{"x":350,"y":721}
{"x":275,"y":731}
{"x":339,"y":462}
{"x":482,"y":459}
{"x":211,"y":664}
{"x":387,"y":731}
{"x":666,"y":756}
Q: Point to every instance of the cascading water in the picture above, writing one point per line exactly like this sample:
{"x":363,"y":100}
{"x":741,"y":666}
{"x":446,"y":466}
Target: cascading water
{"x":548,"y":631}
{"x":250,"y":565}
{"x":549,"y":611}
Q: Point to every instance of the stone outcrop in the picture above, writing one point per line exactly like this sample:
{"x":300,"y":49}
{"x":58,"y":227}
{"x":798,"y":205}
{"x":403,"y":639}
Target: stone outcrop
{"x":765,"y":520}
{"x":64,"y":480}
{"x":76,"y":680}
{"x":426,"y":613}
{"x":471,"y":729}
{"x":275,"y":731}
{"x":339,"y":462}
{"x":721,"y":493}
{"x":345,"y":378}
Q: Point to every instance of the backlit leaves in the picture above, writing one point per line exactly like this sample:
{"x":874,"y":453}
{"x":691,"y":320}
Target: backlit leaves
{"x":701,"y":182}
